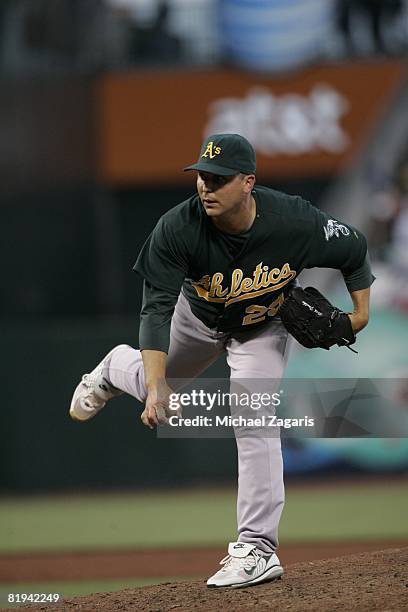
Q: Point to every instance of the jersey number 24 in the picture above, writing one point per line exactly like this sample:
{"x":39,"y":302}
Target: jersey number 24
{"x":256,"y":314}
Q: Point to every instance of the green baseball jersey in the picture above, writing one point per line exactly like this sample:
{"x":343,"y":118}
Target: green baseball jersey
{"x":238,"y":282}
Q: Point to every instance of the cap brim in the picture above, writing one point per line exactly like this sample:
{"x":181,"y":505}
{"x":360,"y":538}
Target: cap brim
{"x":212,"y":168}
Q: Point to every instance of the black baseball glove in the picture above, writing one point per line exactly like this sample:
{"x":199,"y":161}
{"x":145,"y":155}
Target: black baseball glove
{"x":313,"y":321}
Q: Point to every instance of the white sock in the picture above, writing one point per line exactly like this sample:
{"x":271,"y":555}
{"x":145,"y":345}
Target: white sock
{"x":124,"y":370}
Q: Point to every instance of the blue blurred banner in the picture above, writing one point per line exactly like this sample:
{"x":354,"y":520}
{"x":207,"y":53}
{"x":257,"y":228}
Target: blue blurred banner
{"x":275,"y":35}
{"x":371,"y":455}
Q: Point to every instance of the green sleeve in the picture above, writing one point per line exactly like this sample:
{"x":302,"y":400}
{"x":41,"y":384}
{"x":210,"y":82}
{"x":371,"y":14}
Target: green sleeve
{"x":338,"y":245}
{"x":360,"y":278}
{"x":155,"y":318}
{"x":163,"y":260}
{"x":163,"y":264}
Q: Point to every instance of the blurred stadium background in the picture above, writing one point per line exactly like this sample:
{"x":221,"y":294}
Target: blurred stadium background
{"x":102,"y":103}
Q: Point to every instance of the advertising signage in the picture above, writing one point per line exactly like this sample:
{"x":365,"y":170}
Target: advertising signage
{"x":150,"y":125}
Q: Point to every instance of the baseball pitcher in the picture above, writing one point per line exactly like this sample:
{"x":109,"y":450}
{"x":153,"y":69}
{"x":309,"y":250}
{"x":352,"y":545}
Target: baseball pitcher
{"x":217,"y":269}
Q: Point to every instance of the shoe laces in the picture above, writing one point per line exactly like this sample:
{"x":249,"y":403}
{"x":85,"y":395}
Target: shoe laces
{"x":89,"y":380}
{"x":91,"y":398}
{"x":237,"y":563}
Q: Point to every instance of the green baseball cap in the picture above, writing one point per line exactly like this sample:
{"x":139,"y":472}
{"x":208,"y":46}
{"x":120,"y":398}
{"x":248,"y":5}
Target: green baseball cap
{"x":226,"y":154}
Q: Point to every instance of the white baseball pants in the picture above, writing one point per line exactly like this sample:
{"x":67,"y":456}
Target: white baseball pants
{"x":262,"y":355}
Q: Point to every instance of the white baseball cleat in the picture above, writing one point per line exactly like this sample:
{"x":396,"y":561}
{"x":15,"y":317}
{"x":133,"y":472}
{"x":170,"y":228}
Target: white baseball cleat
{"x":93,"y":392}
{"x":245,"y":565}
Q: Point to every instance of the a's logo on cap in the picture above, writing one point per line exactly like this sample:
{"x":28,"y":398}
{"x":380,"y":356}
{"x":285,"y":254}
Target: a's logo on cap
{"x":211,"y":151}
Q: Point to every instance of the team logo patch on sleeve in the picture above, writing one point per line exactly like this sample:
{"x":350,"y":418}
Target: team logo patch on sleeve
{"x":334,"y":228}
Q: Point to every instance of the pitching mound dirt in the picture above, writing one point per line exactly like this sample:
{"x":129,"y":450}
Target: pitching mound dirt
{"x":366,"y":581}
